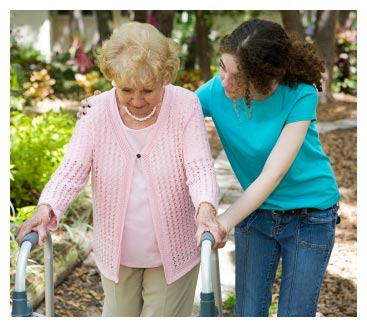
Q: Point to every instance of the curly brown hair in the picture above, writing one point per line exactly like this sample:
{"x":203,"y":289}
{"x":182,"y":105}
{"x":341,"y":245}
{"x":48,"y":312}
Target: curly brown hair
{"x":266,"y":54}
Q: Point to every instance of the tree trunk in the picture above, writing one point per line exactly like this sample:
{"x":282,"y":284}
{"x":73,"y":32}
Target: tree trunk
{"x":76,"y":23}
{"x":104,"y":21}
{"x":292,"y":23}
{"x":202,"y":45}
{"x":164,"y":21}
{"x":325,"y":30}
{"x":191,"y":53}
{"x":140,"y":16}
{"x":346,"y":19}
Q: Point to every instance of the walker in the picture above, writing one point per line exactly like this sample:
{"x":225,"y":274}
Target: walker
{"x":210,"y":296}
{"x":20,"y":306}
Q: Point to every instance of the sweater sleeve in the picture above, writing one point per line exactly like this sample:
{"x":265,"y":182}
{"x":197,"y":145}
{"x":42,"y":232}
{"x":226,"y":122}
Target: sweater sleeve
{"x":199,"y":164}
{"x":72,"y":174}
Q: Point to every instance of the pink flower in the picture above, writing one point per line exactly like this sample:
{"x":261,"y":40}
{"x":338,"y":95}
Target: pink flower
{"x":82,"y":61}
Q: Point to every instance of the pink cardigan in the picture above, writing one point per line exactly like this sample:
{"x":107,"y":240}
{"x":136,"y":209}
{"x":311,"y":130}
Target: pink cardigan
{"x":178,"y":168}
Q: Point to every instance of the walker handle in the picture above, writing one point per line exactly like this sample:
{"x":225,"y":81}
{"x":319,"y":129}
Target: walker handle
{"x":207,"y":236}
{"x":32,"y":237}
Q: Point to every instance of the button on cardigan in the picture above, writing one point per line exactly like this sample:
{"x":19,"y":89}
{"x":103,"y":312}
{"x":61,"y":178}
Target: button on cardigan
{"x":177,"y":165}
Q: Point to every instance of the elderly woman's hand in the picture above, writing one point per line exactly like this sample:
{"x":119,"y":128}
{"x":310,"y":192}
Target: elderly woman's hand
{"x":38,"y":223}
{"x":206,"y":220}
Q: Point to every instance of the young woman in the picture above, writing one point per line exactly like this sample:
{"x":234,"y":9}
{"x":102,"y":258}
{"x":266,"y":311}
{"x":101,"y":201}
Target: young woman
{"x":263,"y":104}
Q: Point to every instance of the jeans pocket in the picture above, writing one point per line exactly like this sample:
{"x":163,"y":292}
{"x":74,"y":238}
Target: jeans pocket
{"x":244,"y":225}
{"x":317,"y":230}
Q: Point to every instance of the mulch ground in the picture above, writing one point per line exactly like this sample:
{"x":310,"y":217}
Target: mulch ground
{"x":81,"y":294}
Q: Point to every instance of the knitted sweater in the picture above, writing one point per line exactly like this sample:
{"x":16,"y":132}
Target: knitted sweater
{"x":178,"y":169}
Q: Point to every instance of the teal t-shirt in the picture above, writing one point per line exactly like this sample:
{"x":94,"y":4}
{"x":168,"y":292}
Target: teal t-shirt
{"x":310,"y":181}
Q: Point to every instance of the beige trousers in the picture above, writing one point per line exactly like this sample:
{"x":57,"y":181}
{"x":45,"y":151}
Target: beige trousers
{"x":143,"y":292}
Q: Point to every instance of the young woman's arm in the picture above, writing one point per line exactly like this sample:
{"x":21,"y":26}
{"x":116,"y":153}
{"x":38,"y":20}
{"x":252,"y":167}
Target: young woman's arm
{"x":276,"y":166}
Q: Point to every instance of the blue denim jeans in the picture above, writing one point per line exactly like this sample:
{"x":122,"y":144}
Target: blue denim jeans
{"x":304,"y":243}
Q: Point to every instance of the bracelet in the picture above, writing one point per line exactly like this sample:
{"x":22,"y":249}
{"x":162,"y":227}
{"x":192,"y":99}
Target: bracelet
{"x":211,"y":206}
{"x":47,"y":205}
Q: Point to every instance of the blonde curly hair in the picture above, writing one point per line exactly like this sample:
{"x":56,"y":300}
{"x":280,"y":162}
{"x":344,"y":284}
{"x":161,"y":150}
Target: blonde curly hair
{"x":138,"y":55}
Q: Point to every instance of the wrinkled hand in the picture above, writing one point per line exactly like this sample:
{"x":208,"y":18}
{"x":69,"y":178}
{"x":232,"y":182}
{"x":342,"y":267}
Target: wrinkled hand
{"x":38,"y":223}
{"x":207,"y":222}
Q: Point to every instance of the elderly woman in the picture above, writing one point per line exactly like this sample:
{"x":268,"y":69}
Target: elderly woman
{"x":152,"y":174}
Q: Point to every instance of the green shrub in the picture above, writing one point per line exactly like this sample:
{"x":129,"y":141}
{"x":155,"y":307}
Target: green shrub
{"x":229,"y":304}
{"x":37,"y":147}
{"x":22,"y":215}
{"x":69,"y":75}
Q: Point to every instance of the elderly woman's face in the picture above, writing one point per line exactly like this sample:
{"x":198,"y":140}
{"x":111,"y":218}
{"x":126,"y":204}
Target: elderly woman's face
{"x":141,"y":100}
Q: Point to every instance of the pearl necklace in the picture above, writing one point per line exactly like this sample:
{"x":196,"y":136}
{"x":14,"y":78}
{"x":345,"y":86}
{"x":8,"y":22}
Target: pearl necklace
{"x":141,"y":118}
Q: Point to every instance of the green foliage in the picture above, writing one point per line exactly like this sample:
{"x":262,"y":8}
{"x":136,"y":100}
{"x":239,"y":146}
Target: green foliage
{"x":229,"y":303}
{"x":76,"y":74}
{"x":70,"y":75}
{"x":61,"y":70}
{"x":22,"y":215}
{"x":183,"y":33}
{"x":24,"y":60}
{"x":218,"y":23}
{"x":37,"y":148}
{"x":18,"y":76}
{"x":25,"y":55}
{"x":16,"y":219}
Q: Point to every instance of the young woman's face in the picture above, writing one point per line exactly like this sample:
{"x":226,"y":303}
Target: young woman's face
{"x":232,"y":82}
{"x":229,"y":75}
